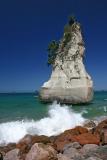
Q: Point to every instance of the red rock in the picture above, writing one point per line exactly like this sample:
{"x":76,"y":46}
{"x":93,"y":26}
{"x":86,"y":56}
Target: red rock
{"x":25,"y":144}
{"x":100,"y":126}
{"x":62,"y":140}
{"x":81,"y":130}
{"x":60,"y":145}
{"x":40,"y":139}
{"x":77,"y":130}
{"x":24,"y":148}
{"x":68,"y":137}
{"x":5,"y":149}
{"x":103,"y":137}
{"x":101,"y":131}
{"x":87,"y":138}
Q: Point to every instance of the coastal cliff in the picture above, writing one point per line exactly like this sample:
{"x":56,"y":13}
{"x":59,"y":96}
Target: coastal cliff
{"x":69,"y":81}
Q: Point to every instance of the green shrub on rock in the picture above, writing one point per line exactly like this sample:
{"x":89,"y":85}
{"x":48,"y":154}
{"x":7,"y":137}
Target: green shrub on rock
{"x":72,"y":20}
{"x":67,"y":38}
{"x":52,"y":51}
{"x":54,"y":45}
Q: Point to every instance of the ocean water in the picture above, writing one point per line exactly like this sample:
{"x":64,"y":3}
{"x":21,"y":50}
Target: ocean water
{"x":22,"y":114}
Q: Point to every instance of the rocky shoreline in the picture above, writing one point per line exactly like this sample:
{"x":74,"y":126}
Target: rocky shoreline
{"x":80,"y":143}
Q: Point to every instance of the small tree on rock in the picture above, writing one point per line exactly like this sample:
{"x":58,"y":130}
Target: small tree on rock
{"x":52,"y":51}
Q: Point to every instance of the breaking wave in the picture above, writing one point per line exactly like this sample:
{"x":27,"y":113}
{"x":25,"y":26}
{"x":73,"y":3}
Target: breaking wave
{"x":59,"y":119}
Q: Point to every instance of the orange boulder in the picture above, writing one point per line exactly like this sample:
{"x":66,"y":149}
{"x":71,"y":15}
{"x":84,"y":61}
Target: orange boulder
{"x":87,"y":138}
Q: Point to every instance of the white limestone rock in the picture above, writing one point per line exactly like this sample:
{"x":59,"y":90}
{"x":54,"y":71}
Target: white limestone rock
{"x":69,"y":81}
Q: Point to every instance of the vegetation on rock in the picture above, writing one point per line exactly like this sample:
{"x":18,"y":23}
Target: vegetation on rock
{"x":72,"y":20}
{"x":54,"y":45}
{"x":52,"y":51}
{"x":68,"y":29}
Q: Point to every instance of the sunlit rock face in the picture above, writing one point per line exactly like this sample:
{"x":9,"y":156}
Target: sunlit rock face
{"x":69,"y":81}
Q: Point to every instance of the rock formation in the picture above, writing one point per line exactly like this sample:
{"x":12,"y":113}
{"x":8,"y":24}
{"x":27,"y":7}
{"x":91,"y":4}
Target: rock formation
{"x":69,"y":81}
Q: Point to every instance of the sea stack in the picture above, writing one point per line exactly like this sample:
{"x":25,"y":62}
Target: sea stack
{"x":69,"y":82}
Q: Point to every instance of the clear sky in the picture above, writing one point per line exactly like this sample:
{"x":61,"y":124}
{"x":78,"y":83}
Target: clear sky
{"x":26,"y":28}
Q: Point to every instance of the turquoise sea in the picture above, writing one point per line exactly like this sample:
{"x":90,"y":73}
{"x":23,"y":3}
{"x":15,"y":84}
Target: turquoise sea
{"x":23,"y":113}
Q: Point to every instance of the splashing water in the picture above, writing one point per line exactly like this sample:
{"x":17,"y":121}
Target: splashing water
{"x":60,"y":118}
{"x":105,"y":108}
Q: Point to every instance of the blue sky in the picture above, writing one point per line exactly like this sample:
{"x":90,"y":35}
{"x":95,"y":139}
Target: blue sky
{"x":26,"y":28}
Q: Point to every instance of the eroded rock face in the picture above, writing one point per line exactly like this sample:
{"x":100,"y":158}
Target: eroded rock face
{"x":69,"y":81}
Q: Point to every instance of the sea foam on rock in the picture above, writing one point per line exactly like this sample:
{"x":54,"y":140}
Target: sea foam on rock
{"x":59,"y":119}
{"x":44,"y":148}
{"x":69,"y":81}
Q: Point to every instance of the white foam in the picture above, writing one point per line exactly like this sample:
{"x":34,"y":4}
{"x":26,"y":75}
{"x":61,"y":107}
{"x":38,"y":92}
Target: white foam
{"x":60,"y":118}
{"x":105,"y":99}
{"x":105,"y":108}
